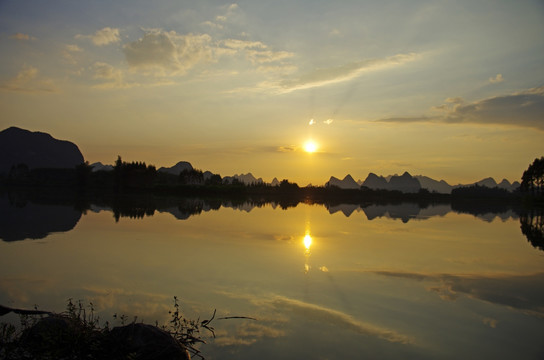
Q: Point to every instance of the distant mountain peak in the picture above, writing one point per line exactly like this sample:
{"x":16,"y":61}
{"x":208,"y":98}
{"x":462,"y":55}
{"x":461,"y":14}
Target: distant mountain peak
{"x":178,"y":168}
{"x":275,"y":182}
{"x":346,"y":183}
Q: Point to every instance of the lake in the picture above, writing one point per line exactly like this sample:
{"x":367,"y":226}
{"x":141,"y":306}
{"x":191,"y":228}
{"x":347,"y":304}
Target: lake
{"x":323,"y":282}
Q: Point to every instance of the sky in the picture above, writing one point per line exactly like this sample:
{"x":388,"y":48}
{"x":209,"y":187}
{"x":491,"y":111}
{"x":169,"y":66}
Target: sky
{"x":453,"y":90}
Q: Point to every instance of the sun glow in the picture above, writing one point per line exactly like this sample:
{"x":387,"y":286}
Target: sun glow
{"x":310,"y":146}
{"x":307,"y":241}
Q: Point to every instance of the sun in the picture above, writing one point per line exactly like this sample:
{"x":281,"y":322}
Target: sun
{"x":310,"y":146}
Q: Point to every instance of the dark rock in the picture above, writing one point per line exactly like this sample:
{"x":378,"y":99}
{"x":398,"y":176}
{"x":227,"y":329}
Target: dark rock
{"x":66,"y":337}
{"x":142,"y":341}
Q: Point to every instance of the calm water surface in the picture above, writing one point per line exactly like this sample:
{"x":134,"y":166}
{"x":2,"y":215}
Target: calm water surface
{"x":323,"y":283}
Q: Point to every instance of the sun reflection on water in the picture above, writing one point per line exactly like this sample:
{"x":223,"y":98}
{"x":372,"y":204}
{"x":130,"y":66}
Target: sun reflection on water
{"x":307,"y":241}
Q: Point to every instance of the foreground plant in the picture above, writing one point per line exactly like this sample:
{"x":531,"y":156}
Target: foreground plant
{"x":77,"y":334}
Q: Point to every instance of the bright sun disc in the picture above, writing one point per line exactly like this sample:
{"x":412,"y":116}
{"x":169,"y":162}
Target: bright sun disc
{"x":310,"y":146}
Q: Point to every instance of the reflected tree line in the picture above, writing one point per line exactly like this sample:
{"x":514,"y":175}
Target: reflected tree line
{"x":33,"y":214}
{"x":532,"y":226}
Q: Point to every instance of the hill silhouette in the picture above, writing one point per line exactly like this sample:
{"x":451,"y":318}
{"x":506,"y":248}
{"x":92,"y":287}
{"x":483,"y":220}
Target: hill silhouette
{"x":36,"y":150}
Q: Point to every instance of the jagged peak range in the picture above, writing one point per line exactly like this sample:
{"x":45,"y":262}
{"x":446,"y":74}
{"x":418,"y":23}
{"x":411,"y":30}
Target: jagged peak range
{"x":410,"y":184}
{"x":39,"y":149}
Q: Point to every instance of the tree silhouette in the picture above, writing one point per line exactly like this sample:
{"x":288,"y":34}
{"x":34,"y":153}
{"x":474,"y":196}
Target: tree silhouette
{"x":135,"y":175}
{"x":533,"y":178}
{"x":191,"y":177}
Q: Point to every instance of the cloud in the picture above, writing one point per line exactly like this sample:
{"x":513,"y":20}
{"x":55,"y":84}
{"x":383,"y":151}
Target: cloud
{"x":213,"y":25}
{"x":260,"y":55}
{"x":497,"y":79}
{"x":18,"y":289}
{"x":267,"y":56}
{"x":520,"y":292}
{"x":346,"y":72}
{"x":70,"y":53}
{"x":492,"y":323}
{"x":523,"y":109}
{"x":103,"y":36}
{"x":168,"y":51}
{"x":334,"y":317}
{"x":328,"y":121}
{"x":237,"y":44}
{"x":455,"y":100}
{"x":284,"y":149}
{"x":22,"y":37}
{"x":406,"y":119}
{"x":73,"y":48}
{"x":29,"y":81}
{"x":248,"y":333}
{"x":112,"y":77}
{"x":220,"y":20}
{"x":322,"y":314}
{"x":149,"y":307}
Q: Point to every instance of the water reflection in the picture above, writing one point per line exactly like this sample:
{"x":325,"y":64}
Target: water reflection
{"x":307,"y":241}
{"x":22,"y":219}
{"x":400,"y":286}
{"x":34,"y":216}
{"x":532,"y":226}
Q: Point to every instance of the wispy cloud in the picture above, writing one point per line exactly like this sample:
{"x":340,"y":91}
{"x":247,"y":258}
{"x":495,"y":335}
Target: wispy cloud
{"x":260,"y":55}
{"x":323,"y":314}
{"x":220,"y":20}
{"x":412,"y":119}
{"x":346,"y":72}
{"x":521,"y":292}
{"x":22,"y":37}
{"x":248,"y":333}
{"x":522,"y":109}
{"x":284,"y":149}
{"x":103,"y":36}
{"x":334,"y":317}
{"x":70,"y":53}
{"x":28,"y":80}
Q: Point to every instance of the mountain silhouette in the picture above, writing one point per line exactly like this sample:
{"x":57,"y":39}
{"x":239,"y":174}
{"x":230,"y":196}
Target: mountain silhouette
{"x":376,"y":182}
{"x":346,"y":183}
{"x":247,"y":179}
{"x":98,"y":166}
{"x":177,"y":169}
{"x":405,"y":183}
{"x":36,"y":150}
{"x":487,"y":182}
{"x":434,"y":185}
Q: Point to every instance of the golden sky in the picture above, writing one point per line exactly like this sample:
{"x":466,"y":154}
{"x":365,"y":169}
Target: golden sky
{"x":453,"y":90}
